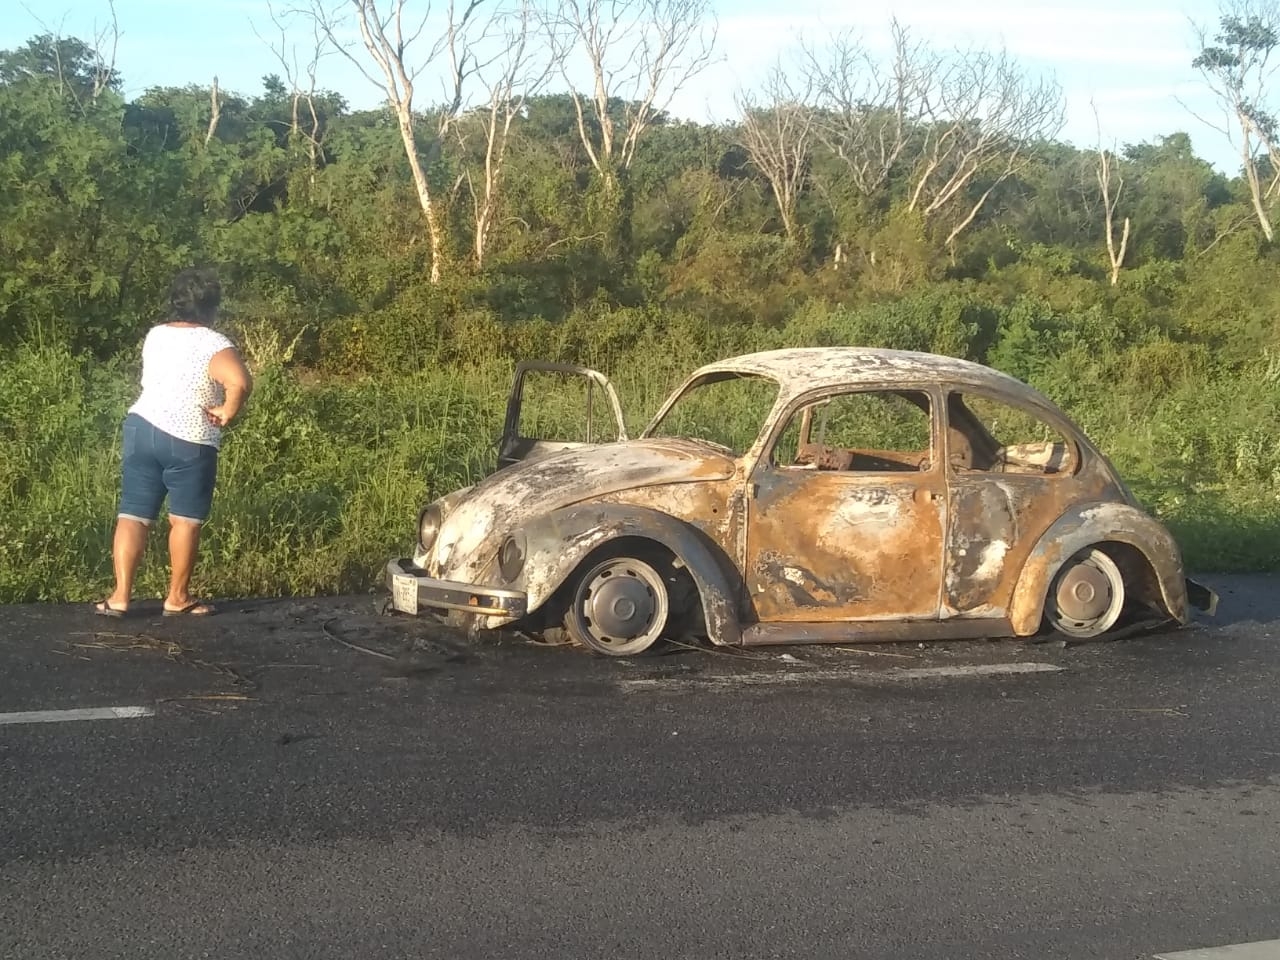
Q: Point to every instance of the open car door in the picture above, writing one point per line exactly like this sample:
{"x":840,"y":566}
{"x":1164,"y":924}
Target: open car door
{"x":575,"y":415}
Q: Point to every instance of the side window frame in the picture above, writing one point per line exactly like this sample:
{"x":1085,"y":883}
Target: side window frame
{"x":698,"y":381}
{"x":1044,"y":416}
{"x":803,"y":405}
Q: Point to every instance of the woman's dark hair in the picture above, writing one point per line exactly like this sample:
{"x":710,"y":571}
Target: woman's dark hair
{"x":195,"y":294}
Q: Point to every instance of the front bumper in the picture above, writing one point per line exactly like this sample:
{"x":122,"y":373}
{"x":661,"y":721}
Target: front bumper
{"x":411,"y":590}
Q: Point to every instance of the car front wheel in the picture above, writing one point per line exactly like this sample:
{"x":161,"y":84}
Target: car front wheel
{"x":619,"y":607}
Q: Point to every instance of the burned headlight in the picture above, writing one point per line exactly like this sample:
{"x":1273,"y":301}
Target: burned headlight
{"x":428,"y":527}
{"x":511,"y":557}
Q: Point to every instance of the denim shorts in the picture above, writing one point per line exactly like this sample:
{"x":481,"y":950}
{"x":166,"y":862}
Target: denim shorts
{"x":157,"y":463}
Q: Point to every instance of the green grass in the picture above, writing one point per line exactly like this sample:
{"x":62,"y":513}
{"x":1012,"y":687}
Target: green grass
{"x":321,"y":481}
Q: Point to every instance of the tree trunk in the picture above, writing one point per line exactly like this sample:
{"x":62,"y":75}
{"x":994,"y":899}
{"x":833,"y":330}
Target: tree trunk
{"x":1255,"y":189}
{"x":484,"y":221}
{"x":1117,"y":258}
{"x":434,"y":226}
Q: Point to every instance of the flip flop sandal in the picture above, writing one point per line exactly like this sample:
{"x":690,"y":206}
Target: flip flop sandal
{"x":187,"y":610}
{"x":103,"y":608}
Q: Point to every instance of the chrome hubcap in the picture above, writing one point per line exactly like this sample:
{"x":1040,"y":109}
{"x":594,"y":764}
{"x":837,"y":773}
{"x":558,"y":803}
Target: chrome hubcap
{"x":620,"y":608}
{"x":619,"y":605}
{"x":1088,"y":595}
{"x":1085,"y":593}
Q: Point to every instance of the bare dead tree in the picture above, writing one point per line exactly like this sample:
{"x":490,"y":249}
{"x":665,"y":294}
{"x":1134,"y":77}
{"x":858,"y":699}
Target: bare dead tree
{"x":510,"y":79}
{"x":940,"y":122}
{"x":215,"y":113}
{"x":1237,"y":68}
{"x":1104,"y":171}
{"x":382,"y":32}
{"x":979,"y":118}
{"x":461,"y":48}
{"x":866,"y":111}
{"x":1109,"y":202}
{"x":777,"y":135}
{"x":642,"y":51}
{"x":104,"y":66}
{"x":302,"y":97}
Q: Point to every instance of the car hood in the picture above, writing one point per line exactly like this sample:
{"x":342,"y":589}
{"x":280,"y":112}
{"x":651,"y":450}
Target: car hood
{"x":501,"y":501}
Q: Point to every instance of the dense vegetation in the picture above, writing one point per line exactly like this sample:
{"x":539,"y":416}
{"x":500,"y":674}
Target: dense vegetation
{"x":382,"y":370}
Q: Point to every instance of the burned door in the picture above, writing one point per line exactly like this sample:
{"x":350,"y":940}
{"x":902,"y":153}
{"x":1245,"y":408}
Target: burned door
{"x":846,"y":513}
{"x":581,"y":410}
{"x":1011,"y":473}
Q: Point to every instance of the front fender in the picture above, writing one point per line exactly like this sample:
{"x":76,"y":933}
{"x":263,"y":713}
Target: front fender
{"x":558,"y":542}
{"x":1097,"y":523}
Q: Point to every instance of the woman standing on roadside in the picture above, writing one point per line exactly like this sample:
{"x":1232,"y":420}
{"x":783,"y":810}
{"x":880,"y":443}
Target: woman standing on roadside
{"x":193,"y":384}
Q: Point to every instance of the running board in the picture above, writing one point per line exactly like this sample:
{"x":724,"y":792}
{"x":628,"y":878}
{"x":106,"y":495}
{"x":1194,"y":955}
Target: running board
{"x":875,"y":631}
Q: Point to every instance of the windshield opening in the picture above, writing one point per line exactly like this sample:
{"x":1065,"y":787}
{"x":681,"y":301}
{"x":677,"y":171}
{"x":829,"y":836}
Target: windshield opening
{"x":726,"y":410}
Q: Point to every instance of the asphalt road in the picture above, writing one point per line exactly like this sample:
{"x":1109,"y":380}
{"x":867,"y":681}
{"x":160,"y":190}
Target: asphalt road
{"x":319,"y":781}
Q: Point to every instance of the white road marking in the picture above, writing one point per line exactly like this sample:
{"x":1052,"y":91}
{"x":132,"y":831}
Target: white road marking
{"x":86,"y":713}
{"x":808,"y":676}
{"x":1260,"y":950}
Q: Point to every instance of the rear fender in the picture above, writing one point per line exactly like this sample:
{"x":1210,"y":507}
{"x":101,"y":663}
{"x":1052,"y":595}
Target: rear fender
{"x":1100,"y":523}
{"x":558,"y":542}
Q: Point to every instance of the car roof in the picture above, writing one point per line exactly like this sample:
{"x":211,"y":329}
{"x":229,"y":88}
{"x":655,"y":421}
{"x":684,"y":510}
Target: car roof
{"x":800,"y":369}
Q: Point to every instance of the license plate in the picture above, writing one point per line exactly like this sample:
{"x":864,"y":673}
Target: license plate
{"x":404,"y":593}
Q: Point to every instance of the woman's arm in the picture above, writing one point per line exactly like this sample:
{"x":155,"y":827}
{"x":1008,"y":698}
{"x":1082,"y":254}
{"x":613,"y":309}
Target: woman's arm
{"x":228,"y":369}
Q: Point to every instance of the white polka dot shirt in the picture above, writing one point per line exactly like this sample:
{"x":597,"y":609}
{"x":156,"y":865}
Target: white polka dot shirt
{"x":176,"y":386}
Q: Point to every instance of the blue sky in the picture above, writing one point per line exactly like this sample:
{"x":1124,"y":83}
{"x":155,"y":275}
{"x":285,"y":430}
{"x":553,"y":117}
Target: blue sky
{"x":1132,"y":59}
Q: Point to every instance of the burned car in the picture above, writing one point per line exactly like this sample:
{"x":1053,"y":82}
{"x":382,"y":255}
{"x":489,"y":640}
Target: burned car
{"x":801,"y":495}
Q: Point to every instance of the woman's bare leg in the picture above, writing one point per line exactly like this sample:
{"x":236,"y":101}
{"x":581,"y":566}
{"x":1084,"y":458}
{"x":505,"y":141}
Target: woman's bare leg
{"x":126,"y":553}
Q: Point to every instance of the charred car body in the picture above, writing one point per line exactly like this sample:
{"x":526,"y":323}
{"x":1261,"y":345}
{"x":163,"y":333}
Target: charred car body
{"x":803,"y":495}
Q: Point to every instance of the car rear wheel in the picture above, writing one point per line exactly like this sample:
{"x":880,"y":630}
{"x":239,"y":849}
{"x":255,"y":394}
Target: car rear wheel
{"x":619,"y":607}
{"x":1087,"y":596}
